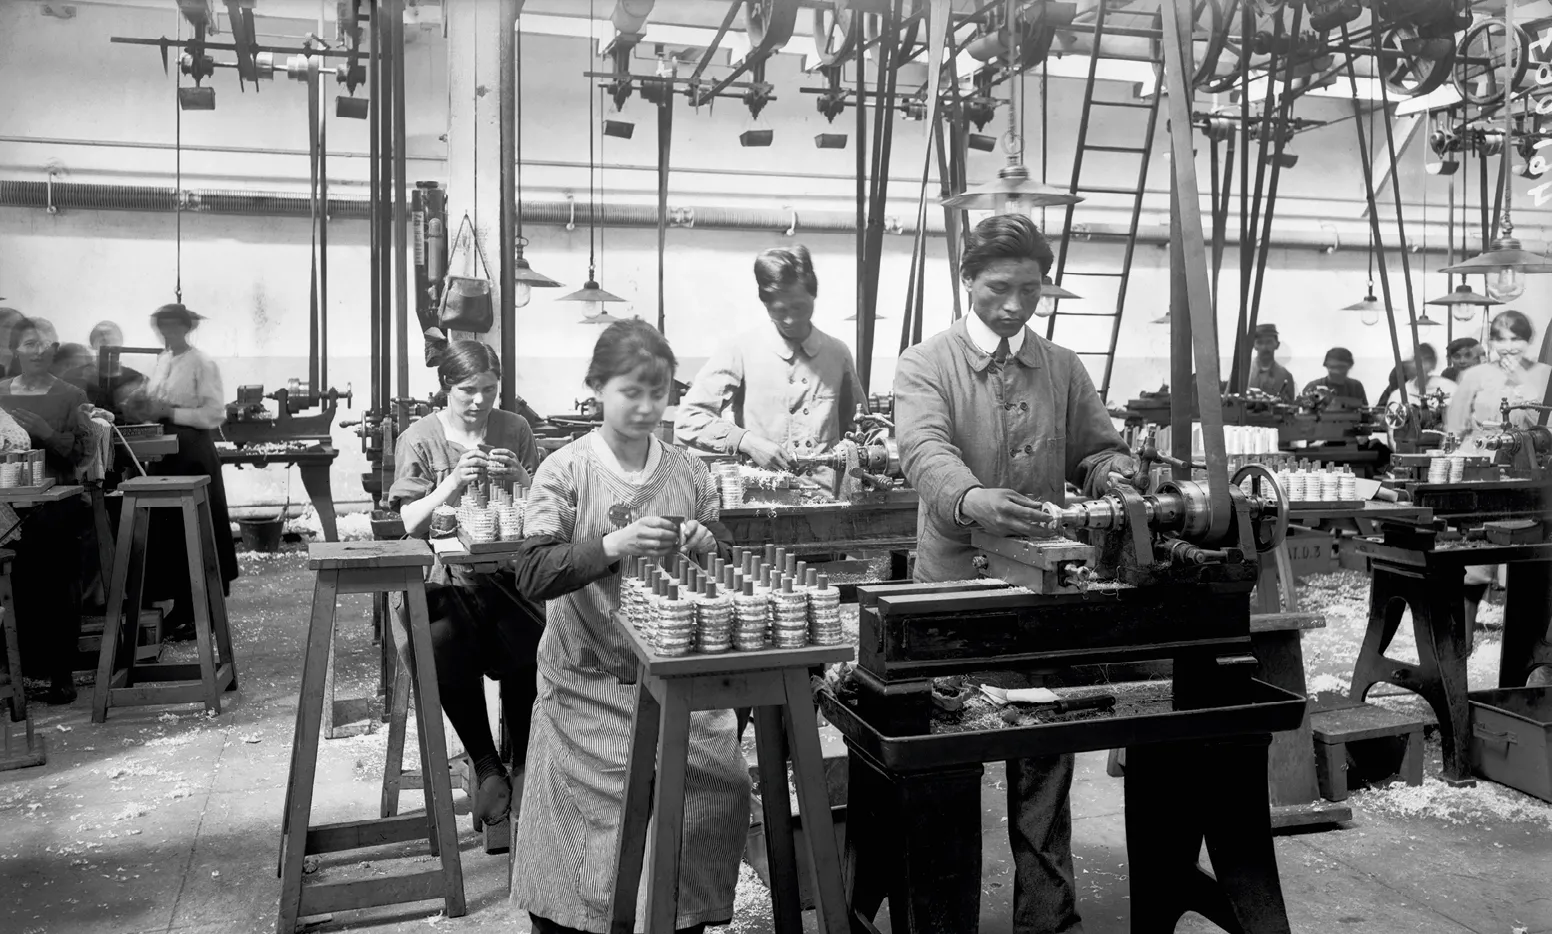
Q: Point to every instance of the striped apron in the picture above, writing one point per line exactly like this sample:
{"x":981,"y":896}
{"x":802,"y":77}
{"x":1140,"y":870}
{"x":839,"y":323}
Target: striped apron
{"x":580,"y":737}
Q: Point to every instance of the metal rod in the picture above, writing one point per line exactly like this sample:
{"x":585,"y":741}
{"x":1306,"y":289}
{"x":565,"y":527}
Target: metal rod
{"x":1240,"y":374}
{"x":400,"y":194}
{"x":1374,"y":225}
{"x":665,"y":134}
{"x":374,"y":183}
{"x":1264,"y":242}
{"x":506,"y":52}
{"x":229,"y":47}
{"x":716,"y":41}
{"x":1406,"y":261}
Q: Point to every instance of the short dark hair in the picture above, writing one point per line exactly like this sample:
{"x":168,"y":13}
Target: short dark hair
{"x":1516,"y":322}
{"x":1340,"y":355}
{"x":177,"y":311}
{"x":1004,"y":236}
{"x":1426,"y":350}
{"x":625,"y":347}
{"x":43,"y":326}
{"x":781,"y":267}
{"x":462,"y":360}
{"x":1461,"y":343}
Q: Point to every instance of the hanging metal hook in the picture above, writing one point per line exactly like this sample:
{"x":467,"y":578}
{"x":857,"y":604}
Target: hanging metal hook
{"x":52,"y":207}
{"x":793,"y":229}
{"x":571,"y":200}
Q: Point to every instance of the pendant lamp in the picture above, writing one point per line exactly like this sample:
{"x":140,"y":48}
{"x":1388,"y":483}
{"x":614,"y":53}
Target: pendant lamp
{"x":1507,"y":263}
{"x":524,"y":277}
{"x":1370,"y":307}
{"x":591,"y":295}
{"x":1012,"y":191}
{"x":1463,"y":303}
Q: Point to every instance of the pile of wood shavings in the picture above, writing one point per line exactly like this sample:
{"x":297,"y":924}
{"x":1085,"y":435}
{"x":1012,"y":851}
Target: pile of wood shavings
{"x":1485,"y":804}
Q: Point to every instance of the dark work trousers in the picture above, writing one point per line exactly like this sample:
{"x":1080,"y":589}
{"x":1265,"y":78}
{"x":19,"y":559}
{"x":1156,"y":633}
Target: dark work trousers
{"x":1040,"y":833}
{"x":482,"y":627}
{"x":46,"y":580}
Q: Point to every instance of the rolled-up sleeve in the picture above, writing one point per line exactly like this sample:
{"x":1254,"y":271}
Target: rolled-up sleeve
{"x":932,"y":462}
{"x":1092,"y":440}
{"x":548,"y":564}
{"x":701,"y":421}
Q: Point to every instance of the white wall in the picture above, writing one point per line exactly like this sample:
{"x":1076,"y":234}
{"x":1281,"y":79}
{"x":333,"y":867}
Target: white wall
{"x":63,"y":80}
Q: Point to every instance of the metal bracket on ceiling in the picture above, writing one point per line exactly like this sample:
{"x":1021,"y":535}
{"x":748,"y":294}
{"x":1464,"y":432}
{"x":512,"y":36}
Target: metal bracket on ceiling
{"x":681,"y":217}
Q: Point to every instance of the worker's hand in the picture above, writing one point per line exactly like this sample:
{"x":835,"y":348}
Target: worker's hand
{"x":468,"y":469}
{"x":504,"y":462}
{"x":647,"y":537}
{"x":34,"y":424}
{"x":1123,"y":468}
{"x":764,"y":452}
{"x":1004,"y":512}
{"x":697,"y":538}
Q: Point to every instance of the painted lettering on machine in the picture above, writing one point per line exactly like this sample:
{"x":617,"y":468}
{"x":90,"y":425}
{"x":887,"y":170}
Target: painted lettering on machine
{"x":1542,"y":96}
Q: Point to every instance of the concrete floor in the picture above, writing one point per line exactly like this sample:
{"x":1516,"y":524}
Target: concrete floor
{"x":166,"y":820}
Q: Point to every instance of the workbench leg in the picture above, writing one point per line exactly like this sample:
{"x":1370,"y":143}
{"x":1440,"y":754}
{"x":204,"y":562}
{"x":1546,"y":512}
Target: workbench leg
{"x":1164,"y":840}
{"x":667,"y":836}
{"x":870,"y":844}
{"x":636,"y":810}
{"x":918,"y":835}
{"x":770,"y":740}
{"x":104,"y":535}
{"x":1527,"y":618}
{"x":1438,"y":606}
{"x":1291,"y":776}
{"x":315,"y":479}
{"x":814,"y":799}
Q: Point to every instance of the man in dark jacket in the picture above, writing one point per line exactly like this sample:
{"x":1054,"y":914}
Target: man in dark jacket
{"x":993,"y":420}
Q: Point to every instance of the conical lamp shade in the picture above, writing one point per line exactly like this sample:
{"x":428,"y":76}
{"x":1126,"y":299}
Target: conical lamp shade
{"x":524,"y":273}
{"x":1369,"y":303}
{"x":1011,"y":190}
{"x":1506,"y":253}
{"x":603,"y":317}
{"x":1464,"y":296}
{"x":1427,"y":322}
{"x":1162,"y":319}
{"x":1049,"y":289}
{"x":590,"y":292}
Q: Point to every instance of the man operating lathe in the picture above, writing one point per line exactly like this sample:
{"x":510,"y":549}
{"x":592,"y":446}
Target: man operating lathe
{"x":992,"y":421}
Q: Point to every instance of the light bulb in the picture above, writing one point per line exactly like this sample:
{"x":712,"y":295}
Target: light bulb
{"x":1463,"y":312}
{"x":521,"y":293}
{"x":1046,"y":307}
{"x":1370,"y":317}
{"x":1506,"y":283}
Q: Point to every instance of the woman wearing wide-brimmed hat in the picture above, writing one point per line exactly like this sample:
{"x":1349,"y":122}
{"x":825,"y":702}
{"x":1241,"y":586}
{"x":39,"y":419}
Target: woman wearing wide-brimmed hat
{"x":183,"y":392}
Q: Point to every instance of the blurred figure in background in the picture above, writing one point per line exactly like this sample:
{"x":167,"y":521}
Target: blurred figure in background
{"x":184,"y":394}
{"x":1337,"y":382}
{"x":108,"y":390}
{"x":1266,"y":374}
{"x":9,"y":318}
{"x":1462,"y":353}
{"x":48,"y":569}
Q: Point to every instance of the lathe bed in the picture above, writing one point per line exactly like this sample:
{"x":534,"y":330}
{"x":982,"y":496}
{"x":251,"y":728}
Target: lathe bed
{"x":913,"y":821}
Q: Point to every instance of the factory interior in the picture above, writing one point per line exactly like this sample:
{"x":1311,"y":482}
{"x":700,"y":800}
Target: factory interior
{"x":416,"y":513}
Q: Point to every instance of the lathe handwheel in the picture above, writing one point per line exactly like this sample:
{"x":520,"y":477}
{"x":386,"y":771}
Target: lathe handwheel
{"x":1267,"y":538}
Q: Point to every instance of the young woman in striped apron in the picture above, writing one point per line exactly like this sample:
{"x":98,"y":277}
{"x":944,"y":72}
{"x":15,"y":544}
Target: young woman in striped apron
{"x":594,"y":502}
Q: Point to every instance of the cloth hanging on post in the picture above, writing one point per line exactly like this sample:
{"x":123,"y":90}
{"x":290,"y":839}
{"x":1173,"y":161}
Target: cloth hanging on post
{"x":467,"y":302}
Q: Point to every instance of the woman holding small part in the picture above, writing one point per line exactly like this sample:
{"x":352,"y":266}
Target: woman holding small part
{"x":602,"y":498}
{"x":480,"y":624}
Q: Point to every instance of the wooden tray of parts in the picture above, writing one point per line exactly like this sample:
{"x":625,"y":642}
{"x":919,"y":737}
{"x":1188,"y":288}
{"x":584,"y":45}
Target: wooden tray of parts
{"x":487,"y":548}
{"x":1261,"y":708}
{"x":731,"y":662}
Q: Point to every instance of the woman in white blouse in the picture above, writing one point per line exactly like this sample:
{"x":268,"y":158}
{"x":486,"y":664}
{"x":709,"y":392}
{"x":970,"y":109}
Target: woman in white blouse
{"x":183,"y":392}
